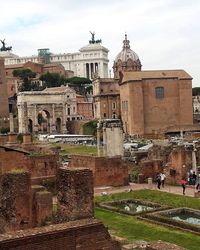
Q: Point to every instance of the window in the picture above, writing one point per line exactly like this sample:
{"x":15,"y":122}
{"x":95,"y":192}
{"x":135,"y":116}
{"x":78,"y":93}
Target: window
{"x":68,"y":111}
{"x":159,"y":91}
{"x":114,"y":116}
{"x":114,"y":105}
{"x":125,"y":106}
{"x":104,"y":115}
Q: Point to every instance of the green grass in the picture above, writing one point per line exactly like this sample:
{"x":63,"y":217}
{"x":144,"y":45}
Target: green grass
{"x":131,"y":228}
{"x":78,"y":149}
{"x":163,"y":198}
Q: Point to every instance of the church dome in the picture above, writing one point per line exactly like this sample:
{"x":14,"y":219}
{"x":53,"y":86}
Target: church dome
{"x":126,"y":60}
{"x":127,"y":52}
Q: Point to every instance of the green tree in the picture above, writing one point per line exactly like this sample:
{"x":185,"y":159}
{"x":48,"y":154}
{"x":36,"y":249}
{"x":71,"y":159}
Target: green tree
{"x":26,"y":76}
{"x":52,"y":79}
{"x":80,"y":84}
{"x":90,"y":128}
{"x":196,"y":91}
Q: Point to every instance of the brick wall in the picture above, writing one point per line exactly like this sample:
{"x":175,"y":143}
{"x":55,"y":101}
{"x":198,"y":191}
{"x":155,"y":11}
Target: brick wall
{"x":87,"y":234}
{"x":150,"y":168}
{"x":39,"y":166}
{"x":110,"y":171}
{"x":15,"y":201}
{"x":75,"y":193}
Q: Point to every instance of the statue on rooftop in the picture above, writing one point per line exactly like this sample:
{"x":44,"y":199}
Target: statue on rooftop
{"x":4,"y":48}
{"x":93,"y":34}
{"x":93,"y":40}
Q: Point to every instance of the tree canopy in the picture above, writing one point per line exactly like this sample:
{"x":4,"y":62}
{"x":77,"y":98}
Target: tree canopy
{"x":196,"y":91}
{"x":80,"y":84}
{"x":26,"y":76}
{"x":79,"y":80}
{"x":52,"y":80}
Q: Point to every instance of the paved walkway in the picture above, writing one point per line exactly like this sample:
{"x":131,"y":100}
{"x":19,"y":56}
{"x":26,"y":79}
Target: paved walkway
{"x":171,"y":189}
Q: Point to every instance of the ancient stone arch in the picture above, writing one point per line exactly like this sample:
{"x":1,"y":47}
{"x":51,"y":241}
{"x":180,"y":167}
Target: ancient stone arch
{"x":54,"y":104}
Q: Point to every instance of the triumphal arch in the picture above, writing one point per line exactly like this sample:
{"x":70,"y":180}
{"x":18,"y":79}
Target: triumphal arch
{"x":46,"y":111}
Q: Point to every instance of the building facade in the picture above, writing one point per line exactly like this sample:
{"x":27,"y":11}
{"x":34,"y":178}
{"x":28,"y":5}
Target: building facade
{"x":106,"y":98}
{"x":149,"y":102}
{"x":47,"y":110}
{"x":90,"y":59}
{"x":84,"y":107}
{"x":4,"y":109}
{"x":156,"y":102}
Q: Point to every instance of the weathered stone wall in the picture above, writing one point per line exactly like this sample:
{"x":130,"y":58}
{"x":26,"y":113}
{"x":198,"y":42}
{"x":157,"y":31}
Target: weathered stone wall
{"x":175,"y":162}
{"x":75,"y":193}
{"x":180,"y":161}
{"x":107,"y":171}
{"x":150,"y":168}
{"x":88,"y":234}
{"x":38,"y":165}
{"x":43,"y":207}
{"x":15,"y":201}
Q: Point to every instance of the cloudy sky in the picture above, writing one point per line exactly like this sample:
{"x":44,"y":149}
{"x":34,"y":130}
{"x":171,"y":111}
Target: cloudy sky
{"x":164,"y":33}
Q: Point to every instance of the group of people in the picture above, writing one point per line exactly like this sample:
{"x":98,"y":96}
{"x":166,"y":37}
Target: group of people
{"x":160,"y":180}
{"x":191,"y":180}
{"x":191,"y":177}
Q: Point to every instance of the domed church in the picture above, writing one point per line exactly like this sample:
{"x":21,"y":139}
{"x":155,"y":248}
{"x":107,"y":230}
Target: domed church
{"x":126,"y":60}
{"x":149,"y":102}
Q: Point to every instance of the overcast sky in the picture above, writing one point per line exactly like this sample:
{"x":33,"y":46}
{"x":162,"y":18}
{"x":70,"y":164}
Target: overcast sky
{"x":164,"y":33}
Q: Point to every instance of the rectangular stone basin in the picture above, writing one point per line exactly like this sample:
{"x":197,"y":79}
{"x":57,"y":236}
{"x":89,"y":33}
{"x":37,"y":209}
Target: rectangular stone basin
{"x":132,"y":206}
{"x":182,"y":218}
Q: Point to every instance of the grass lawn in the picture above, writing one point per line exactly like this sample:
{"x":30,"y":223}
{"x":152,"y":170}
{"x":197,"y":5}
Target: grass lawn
{"x":78,"y":149}
{"x":132,"y":229}
{"x":163,"y":198}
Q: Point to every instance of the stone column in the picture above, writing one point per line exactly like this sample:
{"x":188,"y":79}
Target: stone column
{"x":98,"y":142}
{"x":194,"y":160}
{"x":35,"y":120}
{"x":53,"y":124}
{"x":11,"y":122}
{"x":104,"y":141}
{"x":64,"y":130}
{"x":25,"y":118}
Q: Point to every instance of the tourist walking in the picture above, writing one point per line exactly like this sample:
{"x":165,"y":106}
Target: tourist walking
{"x":198,"y":187}
{"x":163,"y":177}
{"x":183,"y":184}
{"x":158,"y":180}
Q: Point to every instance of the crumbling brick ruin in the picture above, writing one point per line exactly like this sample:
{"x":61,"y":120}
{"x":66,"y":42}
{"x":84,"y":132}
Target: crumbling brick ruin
{"x":107,"y":171}
{"x":15,"y":201}
{"x":175,"y":161}
{"x":23,"y":206}
{"x":38,"y":164}
{"x":86,"y":234}
{"x":75,"y":193}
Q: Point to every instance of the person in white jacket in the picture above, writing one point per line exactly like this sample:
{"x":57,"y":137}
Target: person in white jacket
{"x":163,"y":177}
